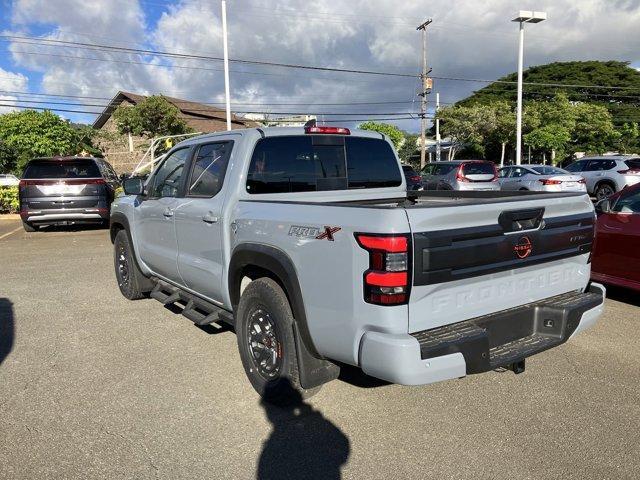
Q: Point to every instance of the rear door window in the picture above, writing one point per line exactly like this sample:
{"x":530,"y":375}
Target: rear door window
{"x":318,"y":163}
{"x":600,"y":165}
{"x":68,"y":169}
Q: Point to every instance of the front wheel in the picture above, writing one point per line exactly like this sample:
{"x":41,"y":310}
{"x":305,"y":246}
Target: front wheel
{"x":604,"y":191}
{"x":264,"y":328}
{"x":131,"y":280}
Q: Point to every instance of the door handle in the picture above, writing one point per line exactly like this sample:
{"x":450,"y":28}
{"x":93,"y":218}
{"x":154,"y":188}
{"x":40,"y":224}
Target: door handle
{"x":209,"y":218}
{"x":168,"y":213}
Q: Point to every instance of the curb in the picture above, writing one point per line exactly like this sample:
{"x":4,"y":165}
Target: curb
{"x":9,"y":216}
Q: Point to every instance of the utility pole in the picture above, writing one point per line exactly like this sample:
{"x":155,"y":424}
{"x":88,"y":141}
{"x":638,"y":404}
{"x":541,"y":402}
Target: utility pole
{"x":423,"y":94}
{"x":438,"y":142}
{"x":226,"y":63}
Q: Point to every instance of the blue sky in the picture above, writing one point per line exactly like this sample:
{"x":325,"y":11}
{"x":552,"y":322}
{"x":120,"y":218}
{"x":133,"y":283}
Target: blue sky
{"x":467,"y":39}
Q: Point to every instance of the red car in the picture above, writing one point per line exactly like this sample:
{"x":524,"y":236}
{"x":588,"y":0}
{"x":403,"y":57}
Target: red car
{"x":616,"y":254}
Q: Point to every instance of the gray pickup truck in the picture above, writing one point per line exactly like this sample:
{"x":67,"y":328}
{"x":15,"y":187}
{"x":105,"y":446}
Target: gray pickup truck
{"x":307,"y":243}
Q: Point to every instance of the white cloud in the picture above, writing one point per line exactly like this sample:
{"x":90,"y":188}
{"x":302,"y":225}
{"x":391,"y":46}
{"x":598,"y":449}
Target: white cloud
{"x":466,"y":39}
{"x":10,"y":82}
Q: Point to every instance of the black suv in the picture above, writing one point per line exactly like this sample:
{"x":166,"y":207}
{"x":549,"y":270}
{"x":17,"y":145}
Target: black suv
{"x":65,"y":191}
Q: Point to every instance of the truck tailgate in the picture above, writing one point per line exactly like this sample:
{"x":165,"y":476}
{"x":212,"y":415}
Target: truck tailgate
{"x":493,"y":256}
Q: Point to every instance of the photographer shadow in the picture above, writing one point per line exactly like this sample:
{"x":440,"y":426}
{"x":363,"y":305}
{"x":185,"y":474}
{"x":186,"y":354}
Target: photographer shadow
{"x":303,"y":443}
{"x":6,"y":328}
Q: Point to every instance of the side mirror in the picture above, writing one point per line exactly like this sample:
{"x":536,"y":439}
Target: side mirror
{"x":603,"y":206}
{"x":133,"y":186}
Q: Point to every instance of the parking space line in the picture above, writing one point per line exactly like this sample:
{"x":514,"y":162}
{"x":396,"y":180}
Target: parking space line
{"x":9,"y":233}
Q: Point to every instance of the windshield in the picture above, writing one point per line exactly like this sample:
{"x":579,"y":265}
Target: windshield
{"x":544,"y":170}
{"x":81,"y":168}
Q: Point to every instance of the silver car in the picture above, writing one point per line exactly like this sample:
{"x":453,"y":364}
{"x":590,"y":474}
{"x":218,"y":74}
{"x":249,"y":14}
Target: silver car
{"x":539,"y":178}
{"x":460,"y":175}
{"x":607,"y":175}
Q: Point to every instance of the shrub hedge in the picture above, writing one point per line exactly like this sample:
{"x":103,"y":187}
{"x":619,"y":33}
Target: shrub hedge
{"x":9,"y":200}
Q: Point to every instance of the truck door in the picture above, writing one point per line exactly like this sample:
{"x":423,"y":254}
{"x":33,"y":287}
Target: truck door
{"x":198,"y":220}
{"x":154,"y":216}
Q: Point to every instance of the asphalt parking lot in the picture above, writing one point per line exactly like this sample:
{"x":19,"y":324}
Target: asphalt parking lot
{"x":95,"y":386}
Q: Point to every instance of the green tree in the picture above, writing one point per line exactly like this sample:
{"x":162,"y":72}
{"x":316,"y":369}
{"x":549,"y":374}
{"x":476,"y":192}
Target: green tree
{"x":594,"y":131}
{"x":628,"y":139}
{"x":28,"y":134}
{"x":155,"y":116}
{"x":467,"y":126}
{"x":549,"y":125}
{"x":407,"y":152}
{"x":504,"y":130}
{"x":396,"y":135}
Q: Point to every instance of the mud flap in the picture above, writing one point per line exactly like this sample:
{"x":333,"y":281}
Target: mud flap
{"x":313,"y":371}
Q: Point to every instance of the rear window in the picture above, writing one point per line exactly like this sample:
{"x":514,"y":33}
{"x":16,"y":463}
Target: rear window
{"x":549,"y":171}
{"x":81,"y":168}
{"x":478,"y":168}
{"x":320,"y":162}
{"x":633,"y":164}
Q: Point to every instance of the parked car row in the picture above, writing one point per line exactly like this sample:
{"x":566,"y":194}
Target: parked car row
{"x":601,"y":177}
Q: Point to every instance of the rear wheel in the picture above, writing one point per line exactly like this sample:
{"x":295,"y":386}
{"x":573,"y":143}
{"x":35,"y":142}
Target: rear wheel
{"x":28,"y":227}
{"x":130,"y":279}
{"x":264,"y":328}
{"x":604,"y":190}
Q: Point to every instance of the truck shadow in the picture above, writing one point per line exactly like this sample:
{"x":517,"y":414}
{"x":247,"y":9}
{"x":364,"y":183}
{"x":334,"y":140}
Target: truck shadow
{"x":6,"y":328}
{"x":356,"y":377}
{"x":303,"y":444}
{"x":624,"y":295}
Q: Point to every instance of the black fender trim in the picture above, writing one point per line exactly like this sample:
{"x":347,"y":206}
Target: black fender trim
{"x":119,"y":221}
{"x":314,"y":370}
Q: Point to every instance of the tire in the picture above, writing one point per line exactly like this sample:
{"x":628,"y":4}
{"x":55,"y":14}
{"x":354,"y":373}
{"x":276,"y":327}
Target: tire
{"x":264,"y":328}
{"x":131,"y":280}
{"x":524,"y":189}
{"x":28,"y":227}
{"x":604,"y":190}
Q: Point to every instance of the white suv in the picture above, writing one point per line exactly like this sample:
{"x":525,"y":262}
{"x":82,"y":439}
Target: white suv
{"x":607,"y":175}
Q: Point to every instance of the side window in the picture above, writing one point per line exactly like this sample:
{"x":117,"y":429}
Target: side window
{"x":575,"y":167}
{"x":503,"y":172}
{"x":209,"y":167}
{"x":628,"y":203}
{"x":600,"y":165}
{"x":518,"y":172}
{"x":166,"y":181}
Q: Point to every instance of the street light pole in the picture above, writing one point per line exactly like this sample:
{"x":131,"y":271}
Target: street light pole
{"x":519,"y":108}
{"x":523,"y":17}
{"x":226,"y":63}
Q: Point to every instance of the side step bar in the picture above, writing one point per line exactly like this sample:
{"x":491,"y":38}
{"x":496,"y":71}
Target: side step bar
{"x":197,"y":310}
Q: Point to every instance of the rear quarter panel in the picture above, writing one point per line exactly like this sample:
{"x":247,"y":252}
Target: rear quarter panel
{"x":330,"y":272}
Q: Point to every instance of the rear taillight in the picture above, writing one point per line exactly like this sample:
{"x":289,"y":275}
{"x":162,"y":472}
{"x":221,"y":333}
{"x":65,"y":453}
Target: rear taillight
{"x":415,"y":178}
{"x":550,"y":182}
{"x":460,"y":175}
{"x":387,"y":281}
{"x":328,"y":130}
{"x":631,"y":171}
{"x":582,"y":180}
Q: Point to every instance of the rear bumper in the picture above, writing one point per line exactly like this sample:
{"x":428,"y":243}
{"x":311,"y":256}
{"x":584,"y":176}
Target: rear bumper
{"x":65,"y":216}
{"x":480,"y":344}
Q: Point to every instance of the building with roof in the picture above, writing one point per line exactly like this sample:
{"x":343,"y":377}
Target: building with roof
{"x":125,"y":151}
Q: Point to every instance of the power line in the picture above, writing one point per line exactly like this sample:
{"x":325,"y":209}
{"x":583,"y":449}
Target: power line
{"x":200,"y":57}
{"x":364,"y":116}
